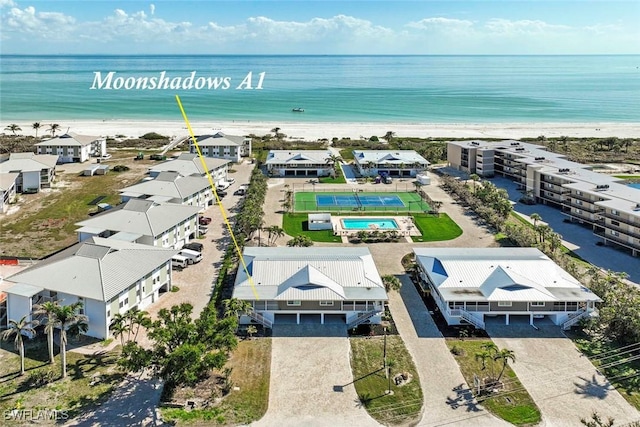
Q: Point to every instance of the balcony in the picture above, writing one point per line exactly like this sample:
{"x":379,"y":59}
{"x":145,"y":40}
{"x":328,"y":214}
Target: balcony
{"x":620,"y":240}
{"x":621,"y":230}
{"x":591,"y":209}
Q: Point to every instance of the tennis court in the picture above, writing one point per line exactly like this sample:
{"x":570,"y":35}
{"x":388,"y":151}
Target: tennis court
{"x":374,"y":202}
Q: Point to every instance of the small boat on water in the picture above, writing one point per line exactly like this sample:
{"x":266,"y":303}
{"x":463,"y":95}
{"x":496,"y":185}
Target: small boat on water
{"x":298,"y":110}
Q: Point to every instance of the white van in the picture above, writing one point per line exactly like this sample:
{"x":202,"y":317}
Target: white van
{"x":191,"y":256}
{"x":179,"y":262}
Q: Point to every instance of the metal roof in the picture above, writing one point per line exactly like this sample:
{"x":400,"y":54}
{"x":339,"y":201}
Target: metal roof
{"x":298,"y":157}
{"x":23,"y":289}
{"x":7,"y":180}
{"x":309,"y":274}
{"x":220,"y":139}
{"x":142,"y":216}
{"x":397,"y":157}
{"x":498,"y":274}
{"x":96,"y":268}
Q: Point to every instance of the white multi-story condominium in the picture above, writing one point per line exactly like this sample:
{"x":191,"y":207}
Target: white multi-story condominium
{"x":73,"y":148}
{"x":32,"y":172}
{"x":165,"y":225}
{"x":394,"y":163}
{"x":602,"y":201}
{"x":7,"y":190}
{"x":188,"y":164}
{"x":108,"y":276}
{"x":299,"y":163}
{"x":223,"y":146}
{"x":171,"y":187}
{"x":311,"y":285}
{"x":471,"y":284}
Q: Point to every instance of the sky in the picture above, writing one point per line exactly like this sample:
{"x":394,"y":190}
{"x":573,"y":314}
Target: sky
{"x":419,"y":27}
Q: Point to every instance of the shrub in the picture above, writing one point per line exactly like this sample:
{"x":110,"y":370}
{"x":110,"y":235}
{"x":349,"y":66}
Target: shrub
{"x":153,"y":136}
{"x":458,"y":351}
{"x":120,"y":168}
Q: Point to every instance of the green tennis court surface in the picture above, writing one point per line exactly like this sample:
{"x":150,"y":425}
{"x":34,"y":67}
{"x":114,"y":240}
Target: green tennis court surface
{"x":307,"y":201}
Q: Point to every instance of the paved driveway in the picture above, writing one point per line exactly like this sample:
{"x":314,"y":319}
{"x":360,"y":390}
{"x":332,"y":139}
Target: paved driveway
{"x":447,"y":399}
{"x":563,"y":383}
{"x":304,"y":376}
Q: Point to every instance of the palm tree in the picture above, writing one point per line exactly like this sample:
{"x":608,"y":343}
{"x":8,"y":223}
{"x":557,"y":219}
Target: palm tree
{"x":13,"y":128}
{"x":504,"y":355}
{"x":18,"y":329}
{"x":535,"y":218}
{"x":36,"y":126}
{"x":389,"y":136}
{"x":251,"y":329}
{"x":67,"y":317}
{"x":48,"y":309}
{"x":235,"y":307}
{"x":53,"y":127}
{"x":275,"y":232}
{"x":137,"y":319}
{"x":483,"y":356}
{"x":300,"y":240}
{"x":391,"y":283}
{"x":119,"y":327}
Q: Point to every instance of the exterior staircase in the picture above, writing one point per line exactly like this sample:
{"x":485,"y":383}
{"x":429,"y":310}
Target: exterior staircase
{"x":574,"y":318}
{"x":260,"y":318}
{"x":470,"y":318}
{"x":362,"y":317}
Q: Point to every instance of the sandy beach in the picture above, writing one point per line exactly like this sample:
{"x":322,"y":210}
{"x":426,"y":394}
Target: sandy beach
{"x":316,"y":130}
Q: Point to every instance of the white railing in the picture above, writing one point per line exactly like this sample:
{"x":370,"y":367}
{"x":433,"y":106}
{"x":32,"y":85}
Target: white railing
{"x":574,"y":318}
{"x":362,"y":317}
{"x":260,"y":318}
{"x":478,"y":323}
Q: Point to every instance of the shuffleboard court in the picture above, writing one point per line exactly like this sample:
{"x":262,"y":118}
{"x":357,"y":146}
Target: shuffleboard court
{"x":360,"y":201}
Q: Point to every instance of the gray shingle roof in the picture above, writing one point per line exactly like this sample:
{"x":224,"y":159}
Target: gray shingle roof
{"x":170,"y":184}
{"x":96,"y":268}
{"x":143,"y":217}
{"x":28,"y":162}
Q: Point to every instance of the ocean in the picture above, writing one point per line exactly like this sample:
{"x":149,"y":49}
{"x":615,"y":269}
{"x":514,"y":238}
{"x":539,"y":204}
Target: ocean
{"x":403,"y":89}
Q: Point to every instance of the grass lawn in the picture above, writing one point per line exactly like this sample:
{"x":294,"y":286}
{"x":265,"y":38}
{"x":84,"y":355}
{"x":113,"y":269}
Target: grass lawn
{"x":404,"y":405}
{"x":251,"y":363}
{"x":305,"y":201}
{"x":296,"y":224}
{"x":339,"y":179}
{"x":435,"y":228}
{"x":625,"y":376}
{"x":346,"y":154}
{"x":627,"y":176}
{"x":74,"y":394}
{"x":521,"y":409}
{"x":35,"y":233}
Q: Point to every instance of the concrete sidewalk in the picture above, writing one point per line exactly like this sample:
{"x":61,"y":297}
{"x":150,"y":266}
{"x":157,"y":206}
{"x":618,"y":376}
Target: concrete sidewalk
{"x":447,"y":399}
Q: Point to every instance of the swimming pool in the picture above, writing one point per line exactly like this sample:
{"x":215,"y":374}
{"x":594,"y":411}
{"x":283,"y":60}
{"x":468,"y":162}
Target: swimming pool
{"x":369,"y":224}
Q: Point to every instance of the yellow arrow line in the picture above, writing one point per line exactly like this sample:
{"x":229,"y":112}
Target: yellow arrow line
{"x":215,"y":193}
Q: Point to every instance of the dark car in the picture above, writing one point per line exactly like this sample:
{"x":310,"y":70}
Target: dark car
{"x":204,"y":220}
{"x":221,"y":193}
{"x":194,"y":246}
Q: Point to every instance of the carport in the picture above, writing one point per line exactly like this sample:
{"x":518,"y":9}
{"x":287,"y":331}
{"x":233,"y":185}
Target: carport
{"x":310,"y":318}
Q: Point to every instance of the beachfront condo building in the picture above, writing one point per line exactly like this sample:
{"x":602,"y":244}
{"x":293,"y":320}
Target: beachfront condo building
{"x":602,"y":201}
{"x":223,"y":146}
{"x":73,"y":148}
{"x":300,"y":163}
{"x":165,"y":225}
{"x":470,"y":285}
{"x":393,"y":163}
{"x":310,"y":285}
{"x":171,"y":187}
{"x":188,"y":164}
{"x":30,"y":172}
{"x":108,"y":276}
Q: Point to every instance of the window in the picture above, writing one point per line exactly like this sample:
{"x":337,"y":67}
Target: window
{"x":614,"y":233}
{"x":108,"y":313}
{"x":294,"y":303}
{"x":579,"y":193}
{"x":579,"y":202}
{"x":615,"y":212}
{"x":537,"y":304}
{"x":326,"y":303}
{"x":615,"y":223}
{"x":504,"y":303}
{"x":578,"y":211}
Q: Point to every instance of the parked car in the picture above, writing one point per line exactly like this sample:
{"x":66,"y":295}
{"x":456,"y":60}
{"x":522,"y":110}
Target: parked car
{"x":179,"y":262}
{"x":202,"y":229}
{"x":191,"y":256}
{"x":194,"y":246}
{"x":231,"y":180}
{"x":222,"y":186}
{"x":204,"y":220}
{"x":221,"y":193}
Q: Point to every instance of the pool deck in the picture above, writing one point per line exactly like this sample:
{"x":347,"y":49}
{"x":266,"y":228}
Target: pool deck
{"x":406,"y":227}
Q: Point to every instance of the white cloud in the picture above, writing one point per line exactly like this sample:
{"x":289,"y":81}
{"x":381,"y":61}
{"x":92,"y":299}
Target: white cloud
{"x":46,"y":24}
{"x":504,"y":26}
{"x":152,"y":9}
{"x":7,"y":3}
{"x":441,"y":24}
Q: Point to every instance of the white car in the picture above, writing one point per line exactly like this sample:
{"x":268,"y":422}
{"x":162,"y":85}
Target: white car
{"x":223,"y":185}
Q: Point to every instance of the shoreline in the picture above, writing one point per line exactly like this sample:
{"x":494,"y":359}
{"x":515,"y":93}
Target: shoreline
{"x":316,"y":130}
